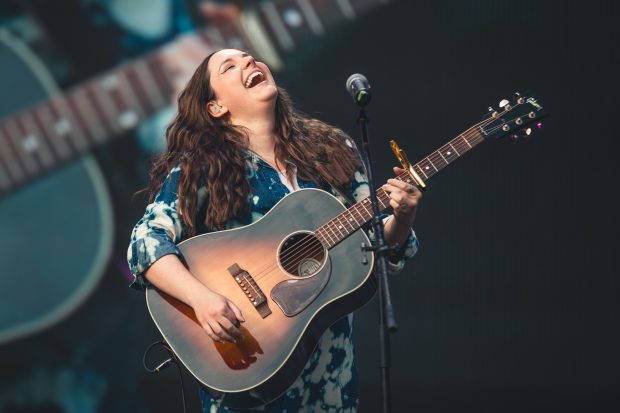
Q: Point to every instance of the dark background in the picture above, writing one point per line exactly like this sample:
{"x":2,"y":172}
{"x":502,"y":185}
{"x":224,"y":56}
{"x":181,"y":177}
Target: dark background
{"x":511,"y":303}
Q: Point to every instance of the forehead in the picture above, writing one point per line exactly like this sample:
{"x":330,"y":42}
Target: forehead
{"x":221,"y":56}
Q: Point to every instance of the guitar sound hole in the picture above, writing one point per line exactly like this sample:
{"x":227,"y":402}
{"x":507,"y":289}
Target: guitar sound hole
{"x":301,"y":254}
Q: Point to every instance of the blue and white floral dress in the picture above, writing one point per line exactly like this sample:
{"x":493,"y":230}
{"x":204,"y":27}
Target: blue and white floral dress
{"x":328,"y":382}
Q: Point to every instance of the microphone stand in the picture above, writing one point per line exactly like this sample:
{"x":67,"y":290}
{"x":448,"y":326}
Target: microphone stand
{"x":387,"y":318}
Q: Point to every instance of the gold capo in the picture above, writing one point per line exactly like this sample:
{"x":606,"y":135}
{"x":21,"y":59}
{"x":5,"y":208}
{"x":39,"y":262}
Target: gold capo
{"x":402,"y":157}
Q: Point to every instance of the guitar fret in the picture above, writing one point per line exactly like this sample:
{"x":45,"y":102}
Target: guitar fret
{"x":420,"y":171}
{"x":164,"y":80}
{"x":65,"y":123}
{"x":454,"y":149}
{"x":311,"y":18}
{"x":5,"y":180}
{"x":330,"y":225}
{"x":342,"y":225}
{"x":23,"y":148}
{"x":357,"y":208}
{"x":321,"y":238}
{"x":466,"y":141}
{"x":346,"y":217}
{"x":437,"y":160}
{"x":459,"y":147}
{"x":367,"y":207}
{"x":13,"y":166}
{"x":277,"y":26}
{"x":349,"y":218}
{"x":432,"y":164}
{"x":122,"y":118}
{"x":447,"y":154}
{"x":104,"y":106}
{"x":335,"y":236}
{"x":86,"y":115}
{"x":347,"y":9}
{"x":442,"y":157}
{"x":323,"y":235}
{"x":44,"y":119}
{"x":340,"y":228}
{"x":32,"y":133}
{"x":330,"y":241}
{"x":129,"y":95}
{"x":382,"y":198}
{"x":148,"y":83}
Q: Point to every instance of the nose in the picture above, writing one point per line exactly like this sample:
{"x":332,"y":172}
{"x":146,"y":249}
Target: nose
{"x":248,"y":61}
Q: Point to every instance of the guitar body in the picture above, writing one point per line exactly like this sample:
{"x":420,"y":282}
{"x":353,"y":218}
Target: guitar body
{"x":56,"y":233}
{"x":275,"y":347}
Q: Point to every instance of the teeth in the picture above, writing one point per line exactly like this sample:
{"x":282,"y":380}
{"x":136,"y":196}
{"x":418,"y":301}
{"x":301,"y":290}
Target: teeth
{"x":248,"y":82}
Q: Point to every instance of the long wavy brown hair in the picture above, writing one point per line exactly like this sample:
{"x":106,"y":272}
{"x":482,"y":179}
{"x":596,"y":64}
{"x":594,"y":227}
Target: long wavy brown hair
{"x":212,"y":152}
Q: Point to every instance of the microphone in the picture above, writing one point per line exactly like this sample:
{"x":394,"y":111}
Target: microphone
{"x":359,"y":88}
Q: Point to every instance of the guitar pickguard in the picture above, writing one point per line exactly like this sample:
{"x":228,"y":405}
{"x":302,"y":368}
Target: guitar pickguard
{"x":293,"y":296}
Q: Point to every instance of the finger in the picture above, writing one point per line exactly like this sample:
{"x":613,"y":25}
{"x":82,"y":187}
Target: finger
{"x":395,"y":205}
{"x":399,"y":184}
{"x":219,"y":331}
{"x":230,"y":328}
{"x":398,"y":196}
{"x":236,"y":310}
{"x":391,"y":189}
{"x":398,"y":170}
{"x":211,"y":334}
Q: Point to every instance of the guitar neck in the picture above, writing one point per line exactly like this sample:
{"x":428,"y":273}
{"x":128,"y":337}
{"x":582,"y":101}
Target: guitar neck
{"x":41,"y":138}
{"x":359,"y":214}
{"x":67,"y":125}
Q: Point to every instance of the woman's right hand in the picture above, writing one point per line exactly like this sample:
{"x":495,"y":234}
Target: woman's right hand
{"x":218,"y":316}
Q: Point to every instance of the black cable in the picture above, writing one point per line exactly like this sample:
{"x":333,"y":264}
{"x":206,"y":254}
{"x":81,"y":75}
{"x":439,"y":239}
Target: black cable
{"x":164,"y":364}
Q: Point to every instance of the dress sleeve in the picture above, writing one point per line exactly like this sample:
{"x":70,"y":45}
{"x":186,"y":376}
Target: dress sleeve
{"x":360,"y":190}
{"x":157,"y":232}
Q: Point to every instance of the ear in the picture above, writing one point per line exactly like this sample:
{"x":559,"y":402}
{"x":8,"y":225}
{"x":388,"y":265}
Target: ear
{"x":215,"y":110}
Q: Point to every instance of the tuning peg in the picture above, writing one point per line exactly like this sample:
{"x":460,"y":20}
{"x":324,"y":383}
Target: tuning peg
{"x":519,"y":98}
{"x":504,"y":104}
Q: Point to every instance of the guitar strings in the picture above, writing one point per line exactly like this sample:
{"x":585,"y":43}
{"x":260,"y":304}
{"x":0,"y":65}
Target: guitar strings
{"x":294,"y":253}
{"x":338,"y":219}
{"x":302,"y":249}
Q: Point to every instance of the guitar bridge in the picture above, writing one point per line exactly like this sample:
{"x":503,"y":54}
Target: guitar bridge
{"x":251,"y":289}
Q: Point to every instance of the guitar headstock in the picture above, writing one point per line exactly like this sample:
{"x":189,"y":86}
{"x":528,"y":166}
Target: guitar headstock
{"x":516,"y":118}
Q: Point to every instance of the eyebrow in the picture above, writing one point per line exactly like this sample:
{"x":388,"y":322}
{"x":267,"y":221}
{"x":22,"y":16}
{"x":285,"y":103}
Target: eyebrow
{"x":231,"y":58}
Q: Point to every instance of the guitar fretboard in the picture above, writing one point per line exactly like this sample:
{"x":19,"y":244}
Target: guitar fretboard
{"x":39,"y":139}
{"x":339,"y":228}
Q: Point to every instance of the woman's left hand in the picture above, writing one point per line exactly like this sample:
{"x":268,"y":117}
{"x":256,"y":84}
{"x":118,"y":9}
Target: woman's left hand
{"x":404,"y":199}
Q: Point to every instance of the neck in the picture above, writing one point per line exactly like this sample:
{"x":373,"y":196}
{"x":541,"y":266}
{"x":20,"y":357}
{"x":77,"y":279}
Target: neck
{"x":261,"y":135}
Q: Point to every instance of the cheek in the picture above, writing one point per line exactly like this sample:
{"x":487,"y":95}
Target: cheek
{"x":265,"y":70}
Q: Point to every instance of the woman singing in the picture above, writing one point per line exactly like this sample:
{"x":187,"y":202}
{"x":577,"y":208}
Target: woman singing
{"x":236,"y":147}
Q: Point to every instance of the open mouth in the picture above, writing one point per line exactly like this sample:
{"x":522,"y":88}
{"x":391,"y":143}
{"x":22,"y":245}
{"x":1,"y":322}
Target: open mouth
{"x":254,"y":79}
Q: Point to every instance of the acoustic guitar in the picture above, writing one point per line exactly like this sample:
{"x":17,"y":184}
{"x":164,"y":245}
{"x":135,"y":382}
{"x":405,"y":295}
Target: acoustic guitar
{"x":51,"y":188}
{"x":293,"y":273}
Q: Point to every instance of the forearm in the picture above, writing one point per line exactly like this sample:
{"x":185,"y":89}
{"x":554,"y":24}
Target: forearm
{"x":397,"y":231}
{"x":170,"y":275}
